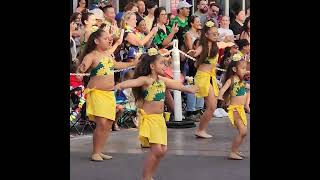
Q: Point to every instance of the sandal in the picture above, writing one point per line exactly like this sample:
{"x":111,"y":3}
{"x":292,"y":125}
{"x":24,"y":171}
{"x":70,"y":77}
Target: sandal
{"x":105,"y":157}
{"x":241,"y":154}
{"x":235,"y":156}
{"x":96,"y":158}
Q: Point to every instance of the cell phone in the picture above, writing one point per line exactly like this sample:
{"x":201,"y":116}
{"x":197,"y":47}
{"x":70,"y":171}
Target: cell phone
{"x":175,"y":23}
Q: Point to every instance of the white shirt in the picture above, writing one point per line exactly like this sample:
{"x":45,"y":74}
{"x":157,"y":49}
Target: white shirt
{"x":224,"y":32}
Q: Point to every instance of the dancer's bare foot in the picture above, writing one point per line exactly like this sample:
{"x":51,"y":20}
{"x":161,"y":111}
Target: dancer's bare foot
{"x":203,"y":134}
{"x":235,"y":156}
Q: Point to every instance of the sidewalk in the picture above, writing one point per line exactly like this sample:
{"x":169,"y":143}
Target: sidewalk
{"x":188,"y":158}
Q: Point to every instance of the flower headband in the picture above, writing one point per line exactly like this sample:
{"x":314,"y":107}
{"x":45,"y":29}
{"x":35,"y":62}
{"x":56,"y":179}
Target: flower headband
{"x":210,"y":24}
{"x":152,"y":51}
{"x":94,"y":29}
{"x":236,"y":57}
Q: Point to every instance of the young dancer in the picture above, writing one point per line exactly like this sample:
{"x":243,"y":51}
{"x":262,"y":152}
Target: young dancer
{"x":101,"y":104}
{"x":149,"y":86}
{"x":235,"y":84}
{"x":206,"y":73}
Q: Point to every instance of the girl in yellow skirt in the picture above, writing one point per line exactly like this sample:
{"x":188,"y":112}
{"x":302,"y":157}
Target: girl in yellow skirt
{"x":149,"y":85}
{"x":99,"y":93}
{"x":237,"y":87}
{"x":205,"y":78}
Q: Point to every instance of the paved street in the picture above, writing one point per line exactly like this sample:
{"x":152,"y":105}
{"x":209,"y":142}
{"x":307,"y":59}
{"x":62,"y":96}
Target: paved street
{"x":188,"y":158}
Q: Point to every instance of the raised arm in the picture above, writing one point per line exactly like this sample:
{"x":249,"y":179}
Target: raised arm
{"x":132,"y":83}
{"x":117,"y":43}
{"x":132,"y":39}
{"x":169,"y":38}
{"x":177,"y":85}
{"x":224,"y":88}
{"x":124,"y":65}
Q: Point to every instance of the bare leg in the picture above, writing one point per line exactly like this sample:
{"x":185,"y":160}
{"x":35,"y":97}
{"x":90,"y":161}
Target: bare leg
{"x":247,"y":105}
{"x":237,"y":141}
{"x":101,"y":134}
{"x":211,"y":104}
{"x":157,"y":152}
{"x":120,"y":110}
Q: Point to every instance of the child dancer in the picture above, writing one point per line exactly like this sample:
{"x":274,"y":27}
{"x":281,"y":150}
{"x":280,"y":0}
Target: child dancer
{"x":150,"y":87}
{"x":236,"y":86}
{"x":101,"y":104}
{"x":206,"y":73}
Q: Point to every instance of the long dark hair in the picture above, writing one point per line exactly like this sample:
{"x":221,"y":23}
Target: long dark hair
{"x":205,"y":48}
{"x":229,"y":74}
{"x":143,"y":69}
{"x":91,"y":45}
{"x":157,"y":13}
{"x":191,"y":20}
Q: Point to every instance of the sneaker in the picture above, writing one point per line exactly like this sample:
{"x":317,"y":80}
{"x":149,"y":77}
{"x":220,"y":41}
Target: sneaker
{"x":217,"y":114}
{"x":223,"y":112}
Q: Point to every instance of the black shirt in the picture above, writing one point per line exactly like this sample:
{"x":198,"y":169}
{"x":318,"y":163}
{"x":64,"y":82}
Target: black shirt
{"x":236,"y":27}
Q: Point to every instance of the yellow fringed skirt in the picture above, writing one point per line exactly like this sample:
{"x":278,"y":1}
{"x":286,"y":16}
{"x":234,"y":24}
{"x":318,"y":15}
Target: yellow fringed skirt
{"x":152,"y":129}
{"x":100,"y":103}
{"x":242,"y":113}
{"x":202,"y":80}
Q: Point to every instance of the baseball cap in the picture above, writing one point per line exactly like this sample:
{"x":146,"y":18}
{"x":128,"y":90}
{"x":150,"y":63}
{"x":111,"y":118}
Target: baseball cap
{"x":183,"y":4}
{"x":98,"y":13}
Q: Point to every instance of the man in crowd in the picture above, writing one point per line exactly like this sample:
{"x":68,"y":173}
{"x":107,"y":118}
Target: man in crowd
{"x":212,"y":15}
{"x":202,"y":8}
{"x":181,"y":20}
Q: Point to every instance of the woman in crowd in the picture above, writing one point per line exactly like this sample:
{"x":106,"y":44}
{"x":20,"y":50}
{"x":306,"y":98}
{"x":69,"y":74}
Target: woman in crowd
{"x":88,"y":20}
{"x":134,"y":40}
{"x":165,"y":34}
